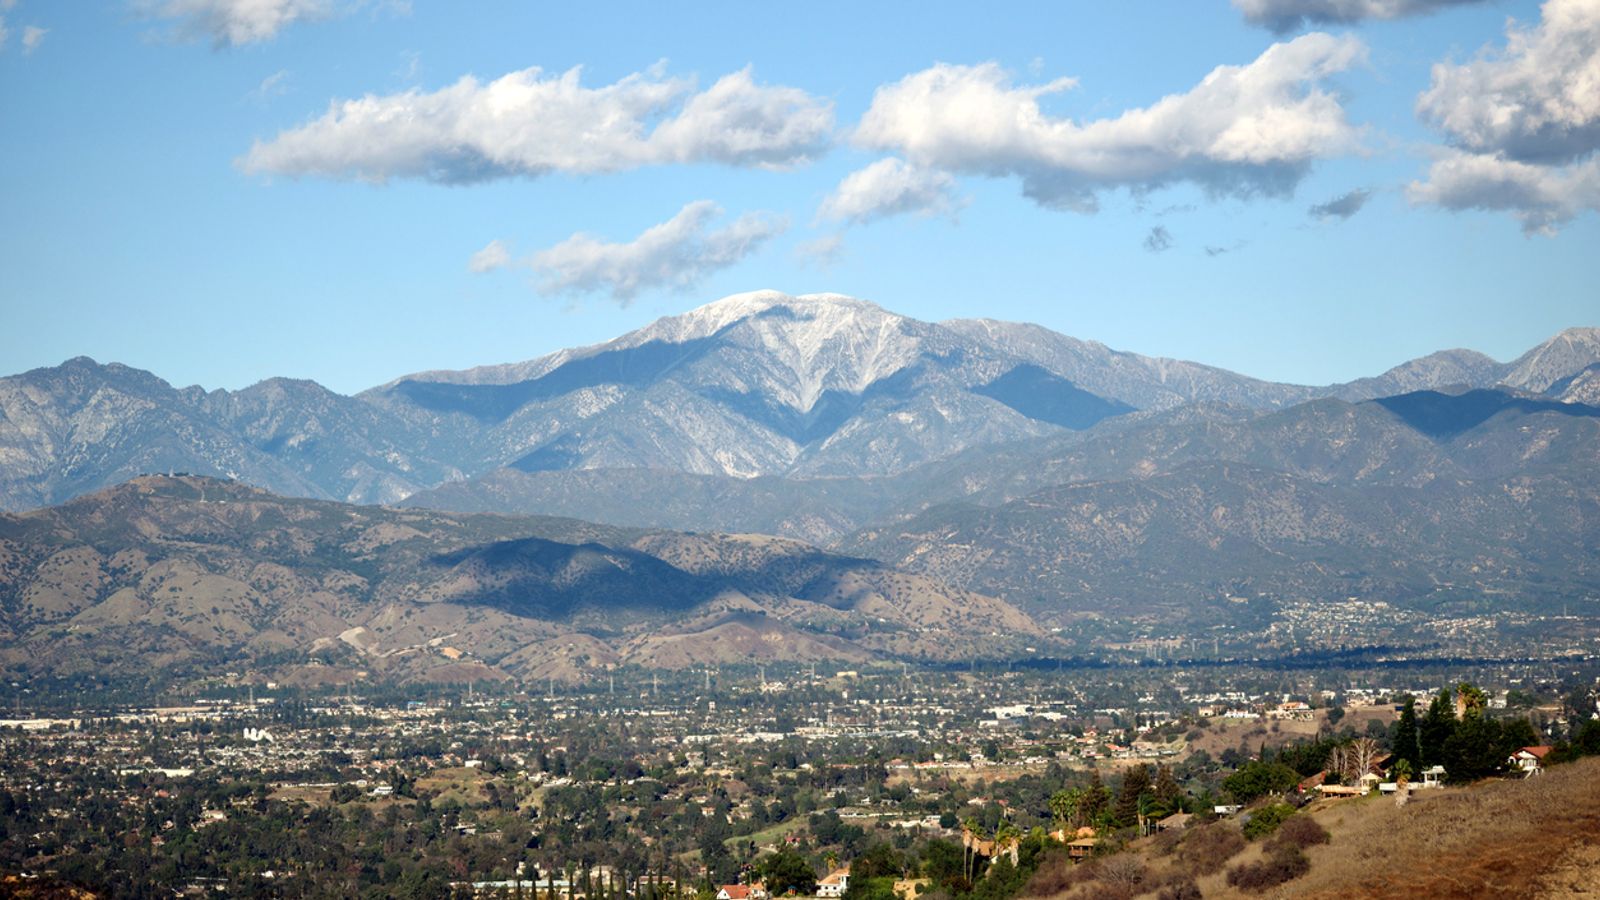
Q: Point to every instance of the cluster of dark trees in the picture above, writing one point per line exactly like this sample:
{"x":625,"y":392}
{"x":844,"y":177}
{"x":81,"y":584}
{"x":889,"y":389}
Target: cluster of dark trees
{"x":1470,"y":746}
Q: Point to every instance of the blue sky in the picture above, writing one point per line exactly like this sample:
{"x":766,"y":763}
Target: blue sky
{"x":184,"y":189}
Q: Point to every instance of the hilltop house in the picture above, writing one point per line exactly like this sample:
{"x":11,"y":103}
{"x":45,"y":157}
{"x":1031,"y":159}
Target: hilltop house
{"x":1528,"y":760}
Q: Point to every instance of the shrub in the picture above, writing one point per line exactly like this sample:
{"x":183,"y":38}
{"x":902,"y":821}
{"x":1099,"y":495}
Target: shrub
{"x":1180,"y":890}
{"x":1056,"y":873}
{"x":1285,"y":863}
{"x":1266,"y":820}
{"x":1123,"y":871}
{"x":1300,"y":831}
{"x":1208,"y":848}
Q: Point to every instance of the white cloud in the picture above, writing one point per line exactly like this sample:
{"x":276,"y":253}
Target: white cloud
{"x":235,"y":22}
{"x":889,"y":187}
{"x":1541,"y":197}
{"x":4,"y":32}
{"x":529,"y":124}
{"x":1537,"y":100}
{"x":1287,"y":15}
{"x":32,"y":37}
{"x":496,"y":255}
{"x":823,"y":252}
{"x":271,"y":86}
{"x":738,"y":123}
{"x":1523,"y":122}
{"x":1242,"y":131}
{"x":675,"y":254}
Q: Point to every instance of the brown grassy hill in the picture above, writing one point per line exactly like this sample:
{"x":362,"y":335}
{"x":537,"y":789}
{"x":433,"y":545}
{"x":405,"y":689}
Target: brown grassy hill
{"x":1533,"y":838}
{"x":191,"y":573}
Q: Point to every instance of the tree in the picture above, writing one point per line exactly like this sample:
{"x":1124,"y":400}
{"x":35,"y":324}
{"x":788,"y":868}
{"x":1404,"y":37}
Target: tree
{"x":1135,"y":784}
{"x":1405,"y":740}
{"x":1587,"y":739}
{"x":1474,"y":749}
{"x":1096,"y":803}
{"x":788,"y":872}
{"x":1168,"y":795}
{"x":1355,"y":760}
{"x":1402,"y":781}
{"x":880,"y":860}
{"x":1436,"y":729}
{"x":1066,"y":806}
{"x":1256,"y":779}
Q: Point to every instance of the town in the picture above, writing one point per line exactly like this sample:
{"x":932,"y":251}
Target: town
{"x":735,"y":783}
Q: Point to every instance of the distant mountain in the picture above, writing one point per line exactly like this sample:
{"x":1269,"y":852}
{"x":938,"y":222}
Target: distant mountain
{"x":82,"y":426}
{"x":190,"y":575}
{"x":754,"y":386}
{"x":1406,"y":441}
{"x":1185,"y":547}
{"x":757,"y":384}
{"x":1580,"y":387}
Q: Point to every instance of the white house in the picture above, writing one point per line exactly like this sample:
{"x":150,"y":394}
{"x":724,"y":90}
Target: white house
{"x":1529,"y":760}
{"x":835,"y":884}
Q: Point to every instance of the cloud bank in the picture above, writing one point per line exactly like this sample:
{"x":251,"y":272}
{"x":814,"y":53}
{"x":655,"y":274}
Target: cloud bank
{"x":1242,"y":131}
{"x":528,"y":124}
{"x":1522,"y":122}
{"x":676,"y":254}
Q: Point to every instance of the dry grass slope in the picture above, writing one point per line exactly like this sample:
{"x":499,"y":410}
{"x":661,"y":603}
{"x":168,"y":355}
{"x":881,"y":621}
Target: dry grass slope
{"x":1535,"y":838}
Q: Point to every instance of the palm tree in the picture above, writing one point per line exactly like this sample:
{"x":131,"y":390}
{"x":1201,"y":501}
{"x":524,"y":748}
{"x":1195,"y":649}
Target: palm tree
{"x":1402,"y":782}
{"x":1066,"y":805}
{"x":969,"y":848}
{"x":1007,"y":837}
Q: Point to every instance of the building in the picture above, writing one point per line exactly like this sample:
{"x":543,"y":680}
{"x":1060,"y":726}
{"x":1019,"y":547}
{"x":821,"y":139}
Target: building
{"x":1529,"y":760}
{"x":834,"y":884}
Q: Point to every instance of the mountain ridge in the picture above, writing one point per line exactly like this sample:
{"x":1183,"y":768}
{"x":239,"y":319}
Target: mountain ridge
{"x":758,"y":384}
{"x":197,"y":573}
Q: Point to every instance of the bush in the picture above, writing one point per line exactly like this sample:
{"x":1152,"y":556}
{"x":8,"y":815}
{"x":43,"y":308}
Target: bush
{"x":1284,"y":864}
{"x":1123,"y":871}
{"x":1208,"y":848}
{"x":1185,"y":889}
{"x":1300,"y":831}
{"x":1056,"y":873}
{"x":1266,"y":820}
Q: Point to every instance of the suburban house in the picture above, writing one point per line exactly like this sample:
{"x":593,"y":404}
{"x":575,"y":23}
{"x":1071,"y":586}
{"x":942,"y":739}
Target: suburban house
{"x":1529,"y":760}
{"x":834,"y":884}
{"x":1175,"y":822}
{"x":741,"y":892}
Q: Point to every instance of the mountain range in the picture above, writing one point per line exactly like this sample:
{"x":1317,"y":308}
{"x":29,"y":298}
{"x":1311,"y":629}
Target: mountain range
{"x":754,"y":385}
{"x":778,"y":477}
